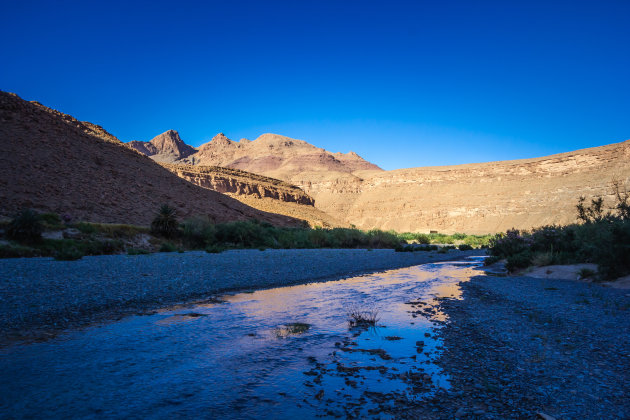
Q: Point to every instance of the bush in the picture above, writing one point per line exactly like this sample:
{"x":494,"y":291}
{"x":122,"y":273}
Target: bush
{"x":491,"y":260}
{"x":198,"y":233}
{"x":168,"y":247}
{"x":465,"y":247}
{"x":51,"y":221}
{"x":518,"y":261}
{"x":214,"y":249}
{"x":85,"y":227}
{"x":70,"y":253}
{"x":17,"y":251}
{"x":165,"y":222}
{"x":25,"y":227}
{"x":136,"y":251}
{"x":542,"y":259}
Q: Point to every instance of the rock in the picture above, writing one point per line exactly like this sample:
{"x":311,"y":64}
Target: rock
{"x":58,"y":234}
{"x":461,"y":412}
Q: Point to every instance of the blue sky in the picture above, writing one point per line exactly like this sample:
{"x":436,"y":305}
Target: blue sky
{"x":403,"y":84}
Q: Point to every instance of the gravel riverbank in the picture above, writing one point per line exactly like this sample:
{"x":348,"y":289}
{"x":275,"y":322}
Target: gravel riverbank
{"x":515,"y":347}
{"x":40,"y":296}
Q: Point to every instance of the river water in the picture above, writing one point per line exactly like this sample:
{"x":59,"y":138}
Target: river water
{"x":288,"y":352}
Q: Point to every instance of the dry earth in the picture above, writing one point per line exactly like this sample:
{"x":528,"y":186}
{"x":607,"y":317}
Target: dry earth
{"x":53,"y":162}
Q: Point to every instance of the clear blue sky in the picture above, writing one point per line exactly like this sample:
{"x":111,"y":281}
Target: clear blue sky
{"x":403,"y":84}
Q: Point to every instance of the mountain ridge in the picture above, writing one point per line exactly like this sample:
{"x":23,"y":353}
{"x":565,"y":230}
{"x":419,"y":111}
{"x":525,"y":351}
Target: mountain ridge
{"x":53,"y":162}
{"x":474,"y":198}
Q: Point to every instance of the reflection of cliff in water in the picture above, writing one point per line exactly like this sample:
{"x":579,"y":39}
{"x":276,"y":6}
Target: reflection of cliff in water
{"x":228,"y":359}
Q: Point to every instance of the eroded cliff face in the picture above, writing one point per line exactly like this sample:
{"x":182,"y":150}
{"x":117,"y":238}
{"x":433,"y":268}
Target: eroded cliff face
{"x":232,"y":181}
{"x":475,"y":198}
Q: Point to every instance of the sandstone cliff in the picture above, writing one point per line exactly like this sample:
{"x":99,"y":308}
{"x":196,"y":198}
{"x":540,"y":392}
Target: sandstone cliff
{"x":52,"y":162}
{"x":475,"y":198}
{"x":234,"y":181}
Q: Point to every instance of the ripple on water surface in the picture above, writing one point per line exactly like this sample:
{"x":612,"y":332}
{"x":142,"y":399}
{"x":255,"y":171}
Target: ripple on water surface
{"x":281,"y":352}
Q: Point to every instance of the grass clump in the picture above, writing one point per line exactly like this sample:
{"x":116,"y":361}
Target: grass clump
{"x":358,"y":317}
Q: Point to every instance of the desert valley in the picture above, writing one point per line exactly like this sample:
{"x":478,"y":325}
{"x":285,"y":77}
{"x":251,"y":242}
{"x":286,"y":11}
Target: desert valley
{"x":70,"y":189}
{"x":280,"y":179}
{"x":315,"y":210}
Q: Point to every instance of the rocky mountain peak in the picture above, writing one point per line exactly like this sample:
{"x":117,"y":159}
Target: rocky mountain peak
{"x":221,"y":139}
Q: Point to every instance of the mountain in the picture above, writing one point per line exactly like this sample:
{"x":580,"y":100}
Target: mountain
{"x":474,"y":198}
{"x":270,"y":154}
{"x":52,"y":162}
{"x":166,"y":147}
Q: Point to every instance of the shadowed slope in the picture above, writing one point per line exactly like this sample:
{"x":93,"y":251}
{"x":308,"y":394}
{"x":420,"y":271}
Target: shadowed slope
{"x":52,"y":162}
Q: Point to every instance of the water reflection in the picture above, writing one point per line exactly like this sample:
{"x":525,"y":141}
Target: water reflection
{"x":282,"y":352}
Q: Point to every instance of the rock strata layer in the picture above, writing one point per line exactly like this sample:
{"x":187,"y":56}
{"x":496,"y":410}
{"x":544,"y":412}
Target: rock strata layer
{"x":234,"y":181}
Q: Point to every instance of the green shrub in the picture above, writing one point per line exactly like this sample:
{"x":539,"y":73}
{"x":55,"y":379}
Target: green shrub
{"x":586,"y":273}
{"x":168,"y":247}
{"x":51,"y":221}
{"x":518,"y":261}
{"x":491,"y":260}
{"x":165,"y":222}
{"x":85,"y":227}
{"x":465,"y":247}
{"x":198,"y":233}
{"x":137,"y":251}
{"x":541,"y":259}
{"x":17,"y":251}
{"x":215,"y":249}
{"x":25,"y":227}
{"x":68,"y":254}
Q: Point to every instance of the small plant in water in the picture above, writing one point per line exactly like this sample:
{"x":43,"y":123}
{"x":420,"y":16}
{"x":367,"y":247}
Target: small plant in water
{"x":358,"y":317}
{"x":294,"y":328}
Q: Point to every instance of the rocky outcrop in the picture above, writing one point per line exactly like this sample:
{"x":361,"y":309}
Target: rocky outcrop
{"x":270,"y":154}
{"x":166,"y":147}
{"x":234,"y":181}
{"x":52,"y":162}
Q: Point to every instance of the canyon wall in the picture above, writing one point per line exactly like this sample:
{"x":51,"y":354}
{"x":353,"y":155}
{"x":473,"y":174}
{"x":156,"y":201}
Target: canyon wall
{"x":474,"y":198}
{"x":234,"y":181}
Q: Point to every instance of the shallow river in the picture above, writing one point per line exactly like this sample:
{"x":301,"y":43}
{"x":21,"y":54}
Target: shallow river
{"x":277,"y":353}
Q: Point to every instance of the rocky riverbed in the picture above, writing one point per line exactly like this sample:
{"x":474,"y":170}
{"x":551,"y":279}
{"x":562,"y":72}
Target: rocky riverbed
{"x":520,"y":347}
{"x":40,"y":296}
